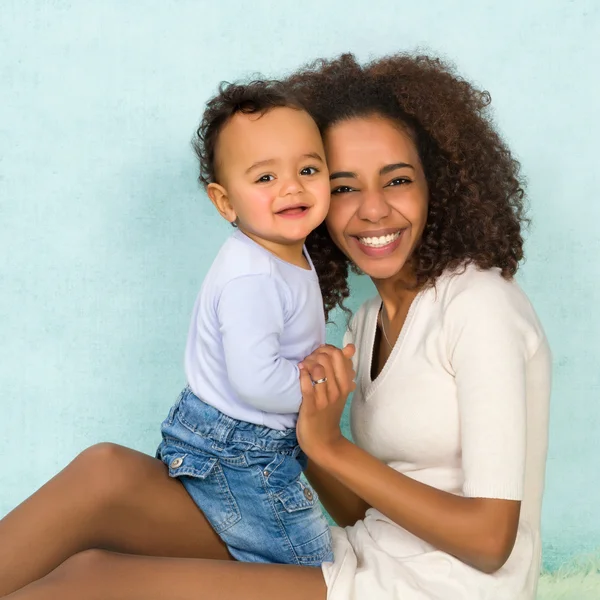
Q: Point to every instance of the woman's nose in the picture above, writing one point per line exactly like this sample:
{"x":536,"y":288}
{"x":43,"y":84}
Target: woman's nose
{"x":373,"y":206}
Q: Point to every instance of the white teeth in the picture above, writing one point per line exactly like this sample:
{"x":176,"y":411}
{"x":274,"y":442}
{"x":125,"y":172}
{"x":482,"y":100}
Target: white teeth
{"x":379,"y":242}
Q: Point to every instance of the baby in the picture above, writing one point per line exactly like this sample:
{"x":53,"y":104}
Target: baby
{"x":230,"y":438}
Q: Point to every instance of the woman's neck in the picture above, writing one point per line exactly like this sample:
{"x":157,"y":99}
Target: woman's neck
{"x":396,"y":293}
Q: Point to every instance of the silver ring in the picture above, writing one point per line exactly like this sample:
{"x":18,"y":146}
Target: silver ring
{"x":322,"y":380}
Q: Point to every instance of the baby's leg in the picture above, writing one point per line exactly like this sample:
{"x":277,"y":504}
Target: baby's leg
{"x":99,"y":575}
{"x":109,"y":497}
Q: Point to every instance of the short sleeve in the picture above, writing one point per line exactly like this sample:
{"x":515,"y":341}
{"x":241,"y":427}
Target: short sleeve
{"x":251,"y":314}
{"x":489,"y":336}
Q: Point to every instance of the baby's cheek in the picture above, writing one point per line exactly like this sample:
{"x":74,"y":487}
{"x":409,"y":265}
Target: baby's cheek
{"x":257,"y":204}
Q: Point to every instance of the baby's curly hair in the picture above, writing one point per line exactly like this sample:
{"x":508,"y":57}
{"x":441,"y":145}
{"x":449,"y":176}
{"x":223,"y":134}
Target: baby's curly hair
{"x":257,"y":96}
{"x":476,"y":195}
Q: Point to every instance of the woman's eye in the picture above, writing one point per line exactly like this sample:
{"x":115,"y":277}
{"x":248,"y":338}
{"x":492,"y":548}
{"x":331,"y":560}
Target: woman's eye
{"x":265,"y":179}
{"x":342,"y":189}
{"x":309,"y":171}
{"x":399,"y":181}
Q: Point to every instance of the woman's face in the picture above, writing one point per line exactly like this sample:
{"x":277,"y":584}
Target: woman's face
{"x":378,"y":194}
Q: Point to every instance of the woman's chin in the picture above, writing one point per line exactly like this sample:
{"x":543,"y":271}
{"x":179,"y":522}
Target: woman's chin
{"x":377,"y":262}
{"x":378,"y":269}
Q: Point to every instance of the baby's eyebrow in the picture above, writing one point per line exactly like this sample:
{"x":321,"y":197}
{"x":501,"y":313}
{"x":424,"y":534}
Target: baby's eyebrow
{"x":269,"y":161}
{"x":260,"y":163}
{"x":315,"y":155}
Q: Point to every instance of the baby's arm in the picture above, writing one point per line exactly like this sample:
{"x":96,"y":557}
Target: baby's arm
{"x":251,"y":318}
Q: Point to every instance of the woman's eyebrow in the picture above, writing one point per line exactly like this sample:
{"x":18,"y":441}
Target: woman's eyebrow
{"x":342,"y":174}
{"x":394,"y":166}
{"x":382,"y":171}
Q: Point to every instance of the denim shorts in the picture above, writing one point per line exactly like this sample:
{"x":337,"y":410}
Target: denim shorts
{"x":246,"y":479}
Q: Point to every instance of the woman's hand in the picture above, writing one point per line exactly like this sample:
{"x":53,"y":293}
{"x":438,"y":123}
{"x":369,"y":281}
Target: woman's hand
{"x":318,"y":426}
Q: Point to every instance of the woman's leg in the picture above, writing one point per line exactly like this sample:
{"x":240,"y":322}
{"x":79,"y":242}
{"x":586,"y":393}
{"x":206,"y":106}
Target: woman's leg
{"x":100,"y":575}
{"x":109,"y":497}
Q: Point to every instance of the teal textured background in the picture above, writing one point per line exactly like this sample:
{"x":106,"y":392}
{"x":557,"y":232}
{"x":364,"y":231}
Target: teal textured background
{"x":105,"y":235}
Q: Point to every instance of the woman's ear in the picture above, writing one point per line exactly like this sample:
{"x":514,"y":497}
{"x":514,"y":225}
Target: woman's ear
{"x":218,"y":196}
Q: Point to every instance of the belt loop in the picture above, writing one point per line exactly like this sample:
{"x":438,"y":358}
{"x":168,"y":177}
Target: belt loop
{"x":223,"y":428}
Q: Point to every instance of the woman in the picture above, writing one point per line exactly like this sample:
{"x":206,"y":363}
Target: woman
{"x":440,"y":497}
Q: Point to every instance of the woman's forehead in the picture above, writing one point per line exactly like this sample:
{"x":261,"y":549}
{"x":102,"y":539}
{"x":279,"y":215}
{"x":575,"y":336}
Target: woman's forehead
{"x":369,"y":140}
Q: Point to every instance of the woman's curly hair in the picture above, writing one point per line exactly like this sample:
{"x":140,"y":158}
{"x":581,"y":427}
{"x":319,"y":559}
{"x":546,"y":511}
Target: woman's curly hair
{"x":476,"y":195}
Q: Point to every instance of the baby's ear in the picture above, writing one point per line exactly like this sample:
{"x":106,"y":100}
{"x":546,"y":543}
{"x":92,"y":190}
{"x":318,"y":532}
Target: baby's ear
{"x":218,"y":196}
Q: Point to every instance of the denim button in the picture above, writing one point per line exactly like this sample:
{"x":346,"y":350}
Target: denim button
{"x":308,"y":494}
{"x":176,"y":463}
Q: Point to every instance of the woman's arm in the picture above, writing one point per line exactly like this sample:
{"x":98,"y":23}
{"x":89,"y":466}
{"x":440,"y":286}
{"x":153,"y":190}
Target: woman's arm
{"x":344,"y":506}
{"x":479,"y":531}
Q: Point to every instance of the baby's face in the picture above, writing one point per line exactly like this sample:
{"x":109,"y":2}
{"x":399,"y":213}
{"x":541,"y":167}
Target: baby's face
{"x":272,"y":171}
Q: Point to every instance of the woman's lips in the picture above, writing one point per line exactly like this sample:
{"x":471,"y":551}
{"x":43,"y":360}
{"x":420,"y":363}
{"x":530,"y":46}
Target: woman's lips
{"x":378,"y":251}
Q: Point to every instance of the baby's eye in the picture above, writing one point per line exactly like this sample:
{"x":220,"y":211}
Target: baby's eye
{"x":399,"y":181}
{"x":342,"y":189}
{"x":309,"y":171}
{"x":265,"y":179}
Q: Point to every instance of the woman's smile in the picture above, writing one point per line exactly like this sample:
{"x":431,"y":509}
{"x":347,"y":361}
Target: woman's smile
{"x":377,"y":243}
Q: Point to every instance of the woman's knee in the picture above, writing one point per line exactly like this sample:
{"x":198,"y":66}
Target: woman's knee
{"x":80,"y":566}
{"x":107,"y":470}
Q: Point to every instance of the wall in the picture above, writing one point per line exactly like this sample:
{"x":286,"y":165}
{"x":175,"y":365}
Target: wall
{"x":105,"y":236}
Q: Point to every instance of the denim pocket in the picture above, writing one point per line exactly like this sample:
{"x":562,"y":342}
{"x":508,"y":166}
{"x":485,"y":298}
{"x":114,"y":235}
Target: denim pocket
{"x":298,"y":496}
{"x":304,"y":523}
{"x":299,"y":512}
{"x":203,"y":478}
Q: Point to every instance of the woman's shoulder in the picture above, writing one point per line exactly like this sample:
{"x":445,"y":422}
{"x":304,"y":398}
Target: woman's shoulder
{"x":472,"y":284}
{"x":475,"y":295}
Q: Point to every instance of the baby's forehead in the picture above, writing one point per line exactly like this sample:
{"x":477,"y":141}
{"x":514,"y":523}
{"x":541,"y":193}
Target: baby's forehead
{"x":277,"y":130}
{"x":273,"y":120}
{"x":245,"y":123}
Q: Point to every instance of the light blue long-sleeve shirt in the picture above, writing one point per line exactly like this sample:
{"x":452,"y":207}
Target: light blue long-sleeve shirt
{"x":255,"y":319}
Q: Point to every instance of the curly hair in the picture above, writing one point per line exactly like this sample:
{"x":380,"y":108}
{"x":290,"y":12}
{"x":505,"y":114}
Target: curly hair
{"x":254,"y":97}
{"x":476,"y":194}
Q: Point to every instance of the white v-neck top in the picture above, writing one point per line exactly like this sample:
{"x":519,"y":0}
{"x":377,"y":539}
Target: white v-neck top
{"x":461,"y":405}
